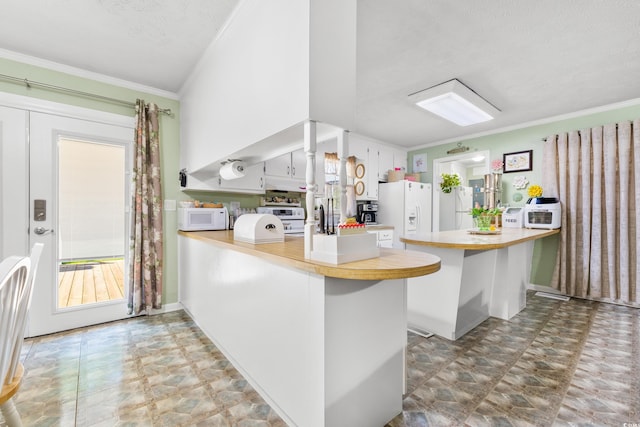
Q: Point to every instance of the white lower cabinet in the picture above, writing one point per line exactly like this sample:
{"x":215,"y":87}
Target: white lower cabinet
{"x":384,"y":238}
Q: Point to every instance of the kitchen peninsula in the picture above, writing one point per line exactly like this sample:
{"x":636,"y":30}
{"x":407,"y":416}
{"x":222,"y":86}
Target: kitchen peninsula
{"x":323,"y":344}
{"x":481,"y":276}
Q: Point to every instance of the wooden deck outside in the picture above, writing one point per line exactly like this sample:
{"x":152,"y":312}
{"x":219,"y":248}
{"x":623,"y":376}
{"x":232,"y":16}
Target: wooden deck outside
{"x":90,"y":282}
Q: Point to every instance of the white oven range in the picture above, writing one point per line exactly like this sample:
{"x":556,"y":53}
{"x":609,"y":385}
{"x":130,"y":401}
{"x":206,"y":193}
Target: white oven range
{"x":292,"y":217}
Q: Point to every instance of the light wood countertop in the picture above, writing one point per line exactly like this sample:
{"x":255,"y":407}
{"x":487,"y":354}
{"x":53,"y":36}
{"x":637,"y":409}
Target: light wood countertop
{"x":391,"y":264}
{"x":461,"y":239}
{"x":376,"y":227}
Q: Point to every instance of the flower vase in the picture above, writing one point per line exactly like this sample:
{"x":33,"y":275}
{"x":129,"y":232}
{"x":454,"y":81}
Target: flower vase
{"x":483,"y":222}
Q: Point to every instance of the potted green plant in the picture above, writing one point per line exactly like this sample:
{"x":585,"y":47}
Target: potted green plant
{"x":483,"y":218}
{"x":449,"y":181}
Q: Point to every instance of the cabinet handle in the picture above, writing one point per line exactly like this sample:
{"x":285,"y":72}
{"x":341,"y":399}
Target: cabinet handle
{"x":288,"y":170}
{"x":293,"y":171}
{"x":261,"y":182}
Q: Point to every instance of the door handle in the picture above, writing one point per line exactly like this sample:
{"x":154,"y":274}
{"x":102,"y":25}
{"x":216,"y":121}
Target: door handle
{"x":41,"y":230}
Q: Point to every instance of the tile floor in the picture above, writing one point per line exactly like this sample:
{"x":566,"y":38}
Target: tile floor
{"x":554,"y":364}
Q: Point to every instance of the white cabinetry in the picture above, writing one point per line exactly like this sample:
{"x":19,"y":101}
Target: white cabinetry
{"x":384,"y":238}
{"x":291,"y":165}
{"x":251,"y":183}
{"x":385,"y":162}
{"x":366,"y":153}
{"x":400,"y":160}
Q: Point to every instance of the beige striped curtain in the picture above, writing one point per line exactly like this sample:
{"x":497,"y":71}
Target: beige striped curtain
{"x":596,"y":175}
{"x":145,"y":255}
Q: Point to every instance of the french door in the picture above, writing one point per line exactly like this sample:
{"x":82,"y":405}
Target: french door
{"x":76,"y":175}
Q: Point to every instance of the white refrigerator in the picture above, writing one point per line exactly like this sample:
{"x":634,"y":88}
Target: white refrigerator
{"x":406,"y":205}
{"x":454,"y":212}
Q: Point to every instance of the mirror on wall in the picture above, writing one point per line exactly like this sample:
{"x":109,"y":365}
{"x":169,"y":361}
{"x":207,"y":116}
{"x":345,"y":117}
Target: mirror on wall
{"x":450,"y":210}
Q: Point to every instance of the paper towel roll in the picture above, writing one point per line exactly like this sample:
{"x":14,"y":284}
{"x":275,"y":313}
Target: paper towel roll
{"x":232,"y":170}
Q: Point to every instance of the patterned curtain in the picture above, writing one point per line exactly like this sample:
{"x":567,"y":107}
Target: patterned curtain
{"x":145,"y":250}
{"x":596,"y":175}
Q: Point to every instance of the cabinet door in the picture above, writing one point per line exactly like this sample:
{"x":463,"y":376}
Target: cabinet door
{"x":279,"y":166}
{"x":372,"y":174}
{"x":252,"y":181}
{"x":385,"y":158}
{"x":400,"y":160}
{"x":299,"y":164}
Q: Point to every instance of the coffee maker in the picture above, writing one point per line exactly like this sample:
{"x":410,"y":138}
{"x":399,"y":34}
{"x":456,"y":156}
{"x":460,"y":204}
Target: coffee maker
{"x":367,"y":213}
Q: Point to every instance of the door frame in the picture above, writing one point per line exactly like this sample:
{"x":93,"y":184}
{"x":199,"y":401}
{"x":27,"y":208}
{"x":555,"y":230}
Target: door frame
{"x":63,"y":111}
{"x":435,"y":188}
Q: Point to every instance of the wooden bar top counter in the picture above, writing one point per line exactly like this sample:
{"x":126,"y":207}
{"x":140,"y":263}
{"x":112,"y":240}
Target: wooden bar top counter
{"x":391,"y":264}
{"x":462,"y":239}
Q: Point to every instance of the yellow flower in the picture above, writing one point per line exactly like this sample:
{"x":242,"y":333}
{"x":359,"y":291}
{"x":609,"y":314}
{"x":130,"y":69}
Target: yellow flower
{"x":535,"y":191}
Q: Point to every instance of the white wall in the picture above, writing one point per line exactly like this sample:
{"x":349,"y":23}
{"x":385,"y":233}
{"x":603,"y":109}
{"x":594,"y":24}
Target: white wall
{"x":276,"y":64}
{"x":252,"y":82}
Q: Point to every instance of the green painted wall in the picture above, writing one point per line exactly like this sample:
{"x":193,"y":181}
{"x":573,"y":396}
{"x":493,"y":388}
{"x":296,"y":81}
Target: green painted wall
{"x":169,"y":134}
{"x":529,"y":138}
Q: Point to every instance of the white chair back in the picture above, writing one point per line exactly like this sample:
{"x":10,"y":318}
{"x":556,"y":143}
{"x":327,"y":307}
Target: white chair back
{"x":17,"y":276}
{"x":36,"y":251}
{"x":14,"y":272}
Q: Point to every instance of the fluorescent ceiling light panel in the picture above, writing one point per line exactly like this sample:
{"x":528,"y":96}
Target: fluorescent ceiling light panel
{"x":455,"y":102}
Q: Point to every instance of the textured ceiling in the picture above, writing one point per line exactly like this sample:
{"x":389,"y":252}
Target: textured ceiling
{"x":151,"y":42}
{"x":531,"y":59}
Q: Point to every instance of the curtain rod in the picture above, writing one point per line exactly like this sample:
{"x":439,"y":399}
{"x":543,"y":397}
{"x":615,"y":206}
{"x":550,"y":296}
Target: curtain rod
{"x":579,"y":131}
{"x":32,"y":83}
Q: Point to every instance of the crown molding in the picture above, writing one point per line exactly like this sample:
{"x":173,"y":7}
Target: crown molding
{"x":78,"y":72}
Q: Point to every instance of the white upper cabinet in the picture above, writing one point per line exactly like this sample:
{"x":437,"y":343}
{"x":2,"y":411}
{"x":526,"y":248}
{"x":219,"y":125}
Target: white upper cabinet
{"x":279,"y":166}
{"x":366,"y":180}
{"x":400,"y":159}
{"x":291,"y":165}
{"x":253,"y":182}
{"x":385,"y":162}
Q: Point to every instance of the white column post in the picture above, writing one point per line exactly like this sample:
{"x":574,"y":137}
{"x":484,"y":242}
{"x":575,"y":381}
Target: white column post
{"x":310,"y":145}
{"x":343,"y":153}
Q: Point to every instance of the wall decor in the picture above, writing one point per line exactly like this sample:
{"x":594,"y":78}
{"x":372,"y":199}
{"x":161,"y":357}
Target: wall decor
{"x":520,"y":182}
{"x":419,"y":163}
{"x":518,"y":161}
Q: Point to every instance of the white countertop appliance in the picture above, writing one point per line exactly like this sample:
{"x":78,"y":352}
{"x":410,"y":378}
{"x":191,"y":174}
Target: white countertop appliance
{"x":292,"y":217}
{"x":258,"y":228}
{"x":542,"y":212}
{"x":200,"y":219}
{"x":513,"y":218}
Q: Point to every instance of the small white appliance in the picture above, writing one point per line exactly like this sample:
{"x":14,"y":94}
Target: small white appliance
{"x":513,"y":218}
{"x":455,"y":209}
{"x":199,"y":219}
{"x":405,"y":205}
{"x":292,"y":217}
{"x":258,"y":228}
{"x":542,"y":212}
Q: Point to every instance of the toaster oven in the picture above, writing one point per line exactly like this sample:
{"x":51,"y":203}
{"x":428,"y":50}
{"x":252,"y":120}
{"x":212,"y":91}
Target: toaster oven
{"x":542,"y":212}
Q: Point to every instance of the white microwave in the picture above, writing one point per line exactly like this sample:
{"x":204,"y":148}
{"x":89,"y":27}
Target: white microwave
{"x":199,"y":219}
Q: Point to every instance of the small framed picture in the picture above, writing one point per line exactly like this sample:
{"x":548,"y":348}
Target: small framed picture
{"x":419,"y":163}
{"x":518,"y":162}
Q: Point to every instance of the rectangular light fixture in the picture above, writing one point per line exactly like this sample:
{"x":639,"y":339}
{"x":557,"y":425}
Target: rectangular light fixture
{"x":455,"y":102}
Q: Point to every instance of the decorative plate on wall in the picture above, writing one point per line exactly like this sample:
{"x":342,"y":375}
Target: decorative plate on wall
{"x":359,"y":188}
{"x":360,"y":171}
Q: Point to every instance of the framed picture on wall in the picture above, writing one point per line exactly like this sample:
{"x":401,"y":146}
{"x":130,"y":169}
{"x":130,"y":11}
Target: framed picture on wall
{"x":518,"y":161}
{"x":419,"y":163}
